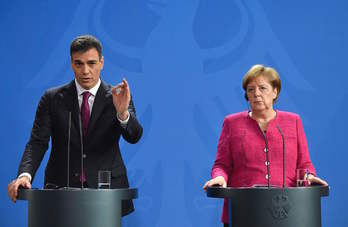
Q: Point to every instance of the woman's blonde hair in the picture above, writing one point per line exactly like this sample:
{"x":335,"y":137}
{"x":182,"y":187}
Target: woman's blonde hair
{"x":267,"y":72}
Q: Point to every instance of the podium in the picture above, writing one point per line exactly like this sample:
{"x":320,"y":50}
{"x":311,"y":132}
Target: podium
{"x":74,"y":207}
{"x":272,"y":207}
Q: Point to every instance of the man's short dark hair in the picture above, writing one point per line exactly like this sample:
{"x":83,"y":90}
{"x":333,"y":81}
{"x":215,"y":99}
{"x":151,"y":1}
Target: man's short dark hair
{"x":84,"y":43}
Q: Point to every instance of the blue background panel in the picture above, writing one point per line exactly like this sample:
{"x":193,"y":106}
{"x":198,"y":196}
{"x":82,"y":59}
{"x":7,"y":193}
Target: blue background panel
{"x":184,"y":60}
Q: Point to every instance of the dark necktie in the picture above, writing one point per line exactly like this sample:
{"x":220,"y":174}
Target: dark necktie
{"x":85,"y":111}
{"x":85,"y":114}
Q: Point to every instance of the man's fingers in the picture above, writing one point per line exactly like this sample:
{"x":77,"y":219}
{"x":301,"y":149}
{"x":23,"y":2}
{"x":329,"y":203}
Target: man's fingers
{"x":115,"y":88}
{"x":121,"y":87}
{"x":13,"y":191}
{"x":125,"y":82}
{"x":10,"y":190}
{"x":13,"y":197}
{"x":117,"y":91}
{"x":26,"y":184}
{"x":126,"y":85}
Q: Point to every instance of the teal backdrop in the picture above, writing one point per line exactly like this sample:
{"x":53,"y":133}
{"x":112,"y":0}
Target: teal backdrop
{"x":184,"y":60}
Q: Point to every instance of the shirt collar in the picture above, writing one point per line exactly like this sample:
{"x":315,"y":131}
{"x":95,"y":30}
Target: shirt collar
{"x":93,"y":90}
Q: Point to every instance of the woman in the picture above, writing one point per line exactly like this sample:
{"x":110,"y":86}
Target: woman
{"x":250,"y":148}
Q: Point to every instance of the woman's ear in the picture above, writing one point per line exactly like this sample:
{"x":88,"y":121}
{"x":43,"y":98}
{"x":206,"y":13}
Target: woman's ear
{"x":275,"y":94}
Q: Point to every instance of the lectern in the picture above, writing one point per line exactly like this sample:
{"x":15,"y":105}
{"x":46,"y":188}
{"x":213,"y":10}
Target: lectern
{"x":272,"y":207}
{"x":75,"y":207}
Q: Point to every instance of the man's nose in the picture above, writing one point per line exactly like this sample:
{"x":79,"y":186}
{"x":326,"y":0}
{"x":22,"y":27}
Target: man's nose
{"x":85,"y":69}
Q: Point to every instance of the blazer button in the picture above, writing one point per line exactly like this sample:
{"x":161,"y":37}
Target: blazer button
{"x":265,"y":150}
{"x":84,"y":155}
{"x":266,"y":163}
{"x":268,"y":176}
{"x":76,"y":174}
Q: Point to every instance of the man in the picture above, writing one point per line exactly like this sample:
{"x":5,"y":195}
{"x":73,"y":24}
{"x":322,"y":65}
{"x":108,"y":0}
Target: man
{"x":101,"y":113}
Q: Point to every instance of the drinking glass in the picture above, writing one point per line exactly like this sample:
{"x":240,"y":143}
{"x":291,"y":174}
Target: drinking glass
{"x":104,"y":179}
{"x":301,"y":177}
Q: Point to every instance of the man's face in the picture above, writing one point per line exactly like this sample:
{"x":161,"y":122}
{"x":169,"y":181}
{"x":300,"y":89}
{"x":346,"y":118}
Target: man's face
{"x":87,"y":67}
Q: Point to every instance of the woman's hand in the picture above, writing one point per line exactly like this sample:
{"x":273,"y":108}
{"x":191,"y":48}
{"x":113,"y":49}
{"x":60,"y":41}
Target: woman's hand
{"x":219,"y":180}
{"x":315,"y":180}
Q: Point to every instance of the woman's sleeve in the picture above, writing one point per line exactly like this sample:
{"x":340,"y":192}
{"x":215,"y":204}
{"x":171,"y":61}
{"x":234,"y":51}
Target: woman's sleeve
{"x":303,"y":159}
{"x":223,"y":163}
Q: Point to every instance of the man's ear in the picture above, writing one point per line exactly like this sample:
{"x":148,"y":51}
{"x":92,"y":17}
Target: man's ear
{"x":102,"y":62}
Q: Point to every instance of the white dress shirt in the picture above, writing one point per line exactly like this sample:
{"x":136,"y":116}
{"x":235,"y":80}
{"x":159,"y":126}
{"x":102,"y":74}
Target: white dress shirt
{"x":93,"y":91}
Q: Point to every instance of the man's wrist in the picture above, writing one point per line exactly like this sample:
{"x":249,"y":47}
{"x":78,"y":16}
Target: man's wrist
{"x":123,"y":116}
{"x":25,"y":174}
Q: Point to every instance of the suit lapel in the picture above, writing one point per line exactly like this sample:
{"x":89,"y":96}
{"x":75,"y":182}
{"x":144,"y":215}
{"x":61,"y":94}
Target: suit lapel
{"x":71,"y":103}
{"x":102,"y":99}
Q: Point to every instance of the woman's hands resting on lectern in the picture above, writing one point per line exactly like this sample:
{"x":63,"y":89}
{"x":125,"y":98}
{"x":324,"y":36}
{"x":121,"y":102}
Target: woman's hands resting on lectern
{"x":219,"y":180}
{"x":315,"y":180}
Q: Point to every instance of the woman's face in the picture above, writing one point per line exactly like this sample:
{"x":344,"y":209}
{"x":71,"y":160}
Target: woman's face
{"x":260,"y":94}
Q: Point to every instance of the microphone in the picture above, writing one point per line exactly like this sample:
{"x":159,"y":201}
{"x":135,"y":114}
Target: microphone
{"x":81,"y":142}
{"x":283,"y":140}
{"x":68,"y":159}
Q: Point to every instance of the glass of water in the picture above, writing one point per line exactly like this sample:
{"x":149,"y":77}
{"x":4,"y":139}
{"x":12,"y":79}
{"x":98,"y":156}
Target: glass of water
{"x":104,"y":179}
{"x":301,"y":177}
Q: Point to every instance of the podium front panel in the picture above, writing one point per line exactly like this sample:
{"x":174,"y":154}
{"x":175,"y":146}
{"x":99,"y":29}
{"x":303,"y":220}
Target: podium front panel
{"x":272,"y":207}
{"x":74,"y":208}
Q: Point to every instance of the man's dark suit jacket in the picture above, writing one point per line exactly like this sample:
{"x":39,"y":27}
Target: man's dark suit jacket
{"x":101,"y":143}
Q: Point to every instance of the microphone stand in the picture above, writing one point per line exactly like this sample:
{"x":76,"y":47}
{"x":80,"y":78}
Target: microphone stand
{"x":68,"y":158}
{"x":281,"y":134}
{"x":81,"y":142}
